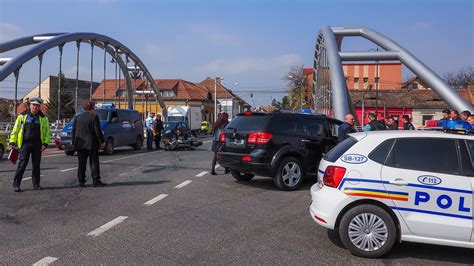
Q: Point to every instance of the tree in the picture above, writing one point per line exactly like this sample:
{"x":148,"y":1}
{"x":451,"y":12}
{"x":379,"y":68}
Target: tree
{"x":67,"y":101}
{"x":461,"y":79}
{"x":283,"y":105}
{"x":296,"y":87}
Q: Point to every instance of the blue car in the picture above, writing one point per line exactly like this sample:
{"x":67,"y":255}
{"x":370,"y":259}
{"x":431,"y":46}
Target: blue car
{"x":121,"y":127}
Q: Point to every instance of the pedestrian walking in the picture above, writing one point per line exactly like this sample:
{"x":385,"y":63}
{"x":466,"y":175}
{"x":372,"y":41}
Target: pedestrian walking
{"x":374,"y":124}
{"x":158,"y":130}
{"x":346,"y":128}
{"x":87,"y":138}
{"x":406,"y":123}
{"x":31,"y":134}
{"x":217,"y":128}
{"x":150,"y":127}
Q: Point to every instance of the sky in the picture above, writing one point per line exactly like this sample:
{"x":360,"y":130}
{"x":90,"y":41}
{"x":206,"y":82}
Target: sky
{"x":252,"y":43}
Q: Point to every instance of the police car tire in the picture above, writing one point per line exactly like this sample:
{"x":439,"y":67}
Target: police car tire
{"x":370,"y":209}
{"x":138,"y":144}
{"x":278,"y":177}
{"x":241,"y":176}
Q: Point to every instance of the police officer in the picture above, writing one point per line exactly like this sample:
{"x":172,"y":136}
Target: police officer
{"x":31,"y":134}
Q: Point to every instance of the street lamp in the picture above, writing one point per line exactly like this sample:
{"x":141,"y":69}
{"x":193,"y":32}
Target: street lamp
{"x":215,"y":96}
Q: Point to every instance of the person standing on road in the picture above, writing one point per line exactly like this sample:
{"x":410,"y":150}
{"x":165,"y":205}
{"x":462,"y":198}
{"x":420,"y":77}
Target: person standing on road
{"x":87,"y":138}
{"x":465,"y":115}
{"x":31,"y":134}
{"x":391,"y":123}
{"x":446,"y":113}
{"x":454,"y":115}
{"x":346,"y":128}
{"x":150,"y":127}
{"x":406,"y":123}
{"x":158,"y":130}
{"x":217,"y":128}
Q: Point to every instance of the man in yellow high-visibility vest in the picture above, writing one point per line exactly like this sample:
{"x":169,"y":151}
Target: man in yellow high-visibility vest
{"x":31,"y":134}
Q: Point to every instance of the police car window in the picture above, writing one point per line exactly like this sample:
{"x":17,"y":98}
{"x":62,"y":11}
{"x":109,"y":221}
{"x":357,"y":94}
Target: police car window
{"x":113,"y":115}
{"x":379,"y":154}
{"x":124,"y":115}
{"x":425,"y":154}
{"x":340,"y":149}
{"x":467,"y":157}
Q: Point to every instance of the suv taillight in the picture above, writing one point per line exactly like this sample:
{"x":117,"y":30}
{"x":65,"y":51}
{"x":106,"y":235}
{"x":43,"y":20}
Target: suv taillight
{"x":259,"y":138}
{"x":222,"y":137}
{"x":333,"y":176}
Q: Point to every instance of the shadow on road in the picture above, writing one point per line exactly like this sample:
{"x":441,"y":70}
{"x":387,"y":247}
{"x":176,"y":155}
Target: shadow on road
{"x":267,"y":183}
{"x":110,"y":185}
{"x":27,"y":169}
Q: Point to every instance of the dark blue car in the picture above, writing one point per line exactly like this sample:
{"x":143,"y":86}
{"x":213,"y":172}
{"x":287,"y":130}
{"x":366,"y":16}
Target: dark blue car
{"x":121,"y":127}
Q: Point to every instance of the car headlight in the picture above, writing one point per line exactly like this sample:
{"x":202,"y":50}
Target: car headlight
{"x":63,"y":134}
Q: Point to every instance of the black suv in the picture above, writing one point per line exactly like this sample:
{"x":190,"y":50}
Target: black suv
{"x":286,"y":146}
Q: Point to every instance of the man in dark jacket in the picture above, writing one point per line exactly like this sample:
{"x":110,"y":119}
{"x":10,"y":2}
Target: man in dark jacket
{"x":406,"y":123}
{"x":159,"y":129}
{"x":391,"y":123}
{"x":346,"y":128}
{"x":87,"y":138}
{"x":374,"y":124}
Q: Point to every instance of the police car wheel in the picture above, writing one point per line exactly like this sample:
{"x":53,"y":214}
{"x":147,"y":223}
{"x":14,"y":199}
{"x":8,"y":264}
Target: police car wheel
{"x":289,"y":175}
{"x":368,"y":231}
{"x":241,"y":176}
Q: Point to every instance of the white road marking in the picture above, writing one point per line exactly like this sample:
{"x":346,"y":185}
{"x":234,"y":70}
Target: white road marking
{"x":183,"y":184}
{"x":107,"y":226}
{"x":54,"y":155}
{"x":69,"y":169}
{"x":123,"y":174}
{"x":202,"y":174}
{"x":126,"y":157}
{"x":134,"y":169}
{"x":45,"y":261}
{"x":156,"y":199}
{"x":207,"y":141}
{"x":27,"y":178}
{"x":217,"y":166}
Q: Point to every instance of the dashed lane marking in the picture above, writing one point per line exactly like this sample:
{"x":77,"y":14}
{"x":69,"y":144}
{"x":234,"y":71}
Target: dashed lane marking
{"x":66,"y":170}
{"x":126,"y":157}
{"x":27,"y":178}
{"x":155,"y":200}
{"x":107,"y":226}
{"x":53,"y":155}
{"x":183,"y":184}
{"x":207,"y":141}
{"x":45,"y":261}
{"x":217,"y":166}
{"x":202,"y":174}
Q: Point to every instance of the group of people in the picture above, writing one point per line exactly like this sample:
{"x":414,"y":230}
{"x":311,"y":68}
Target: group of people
{"x":31,"y":135}
{"x":449,"y":114}
{"x":154,"y":128}
{"x":389,"y":123}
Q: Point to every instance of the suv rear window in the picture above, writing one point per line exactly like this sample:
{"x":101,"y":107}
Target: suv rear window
{"x":252,"y":122}
{"x":340,"y":149}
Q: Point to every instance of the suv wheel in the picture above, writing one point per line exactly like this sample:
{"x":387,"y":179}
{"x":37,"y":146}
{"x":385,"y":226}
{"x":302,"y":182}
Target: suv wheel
{"x":241,"y":176}
{"x":109,"y":147}
{"x":289,"y":174}
{"x":368,"y":231}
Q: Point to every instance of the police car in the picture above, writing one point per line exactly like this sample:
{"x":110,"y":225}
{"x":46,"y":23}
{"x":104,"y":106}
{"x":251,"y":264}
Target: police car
{"x":379,"y":188}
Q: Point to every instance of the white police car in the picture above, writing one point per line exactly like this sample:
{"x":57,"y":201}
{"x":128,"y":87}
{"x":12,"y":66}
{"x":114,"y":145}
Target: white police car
{"x":381,"y":187}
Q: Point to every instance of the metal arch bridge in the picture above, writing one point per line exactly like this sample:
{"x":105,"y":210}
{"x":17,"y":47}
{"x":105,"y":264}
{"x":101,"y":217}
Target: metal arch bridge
{"x":42,"y":42}
{"x":330,"y":87}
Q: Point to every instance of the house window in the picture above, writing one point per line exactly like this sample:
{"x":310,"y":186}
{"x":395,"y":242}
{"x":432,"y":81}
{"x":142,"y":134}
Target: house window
{"x":366,"y":82}
{"x":167,"y":93}
{"x":356,"y":83}
{"x":426,"y":118}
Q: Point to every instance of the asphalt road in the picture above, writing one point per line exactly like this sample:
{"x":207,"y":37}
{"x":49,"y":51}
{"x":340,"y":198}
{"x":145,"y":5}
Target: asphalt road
{"x":164,"y":208}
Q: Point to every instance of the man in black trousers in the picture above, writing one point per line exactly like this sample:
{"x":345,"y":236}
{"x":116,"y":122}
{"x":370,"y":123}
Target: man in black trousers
{"x":87,"y":138}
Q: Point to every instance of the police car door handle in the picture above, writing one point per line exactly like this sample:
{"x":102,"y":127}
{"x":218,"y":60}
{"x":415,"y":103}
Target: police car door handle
{"x":399,"y":182}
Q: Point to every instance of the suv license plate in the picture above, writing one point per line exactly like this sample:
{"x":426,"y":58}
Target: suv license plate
{"x":238,"y":142}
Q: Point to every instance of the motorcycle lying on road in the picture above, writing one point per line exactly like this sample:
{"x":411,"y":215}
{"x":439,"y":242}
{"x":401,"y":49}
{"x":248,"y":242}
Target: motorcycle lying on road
{"x":180,"y":143}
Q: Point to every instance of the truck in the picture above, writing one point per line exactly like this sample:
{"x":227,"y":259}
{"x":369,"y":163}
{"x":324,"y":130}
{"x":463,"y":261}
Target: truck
{"x":189,"y":114}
